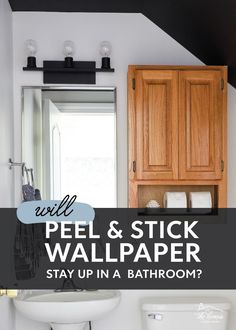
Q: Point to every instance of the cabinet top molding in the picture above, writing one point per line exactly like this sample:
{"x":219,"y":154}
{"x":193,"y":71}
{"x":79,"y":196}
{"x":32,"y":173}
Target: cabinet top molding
{"x":178,"y":67}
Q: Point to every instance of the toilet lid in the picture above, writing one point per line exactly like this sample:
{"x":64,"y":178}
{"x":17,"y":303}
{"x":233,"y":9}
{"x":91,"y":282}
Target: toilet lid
{"x":185,"y":304}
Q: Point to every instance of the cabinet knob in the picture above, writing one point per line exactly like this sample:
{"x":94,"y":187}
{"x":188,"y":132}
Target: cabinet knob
{"x":134,"y":166}
{"x":222,"y":166}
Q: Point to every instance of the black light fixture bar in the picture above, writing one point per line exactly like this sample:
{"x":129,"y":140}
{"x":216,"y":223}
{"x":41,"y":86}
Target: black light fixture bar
{"x":82,"y":72}
{"x":25,"y":68}
{"x":104,"y":70}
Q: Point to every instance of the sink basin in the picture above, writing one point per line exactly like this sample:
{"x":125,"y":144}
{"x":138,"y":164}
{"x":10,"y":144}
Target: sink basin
{"x":68,"y":310}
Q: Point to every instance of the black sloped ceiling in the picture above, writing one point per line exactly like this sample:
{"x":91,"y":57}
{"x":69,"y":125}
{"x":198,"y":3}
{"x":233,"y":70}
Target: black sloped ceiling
{"x":206,"y":28}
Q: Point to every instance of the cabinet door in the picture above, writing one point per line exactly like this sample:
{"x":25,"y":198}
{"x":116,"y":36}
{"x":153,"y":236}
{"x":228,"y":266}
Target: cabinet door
{"x":156,"y":106}
{"x":200,"y":125}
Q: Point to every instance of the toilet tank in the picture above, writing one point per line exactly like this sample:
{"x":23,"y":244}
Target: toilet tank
{"x":185,"y":313}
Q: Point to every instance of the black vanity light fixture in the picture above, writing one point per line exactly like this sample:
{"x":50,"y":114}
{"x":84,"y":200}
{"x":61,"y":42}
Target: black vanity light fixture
{"x":69,"y":51}
{"x":105,"y":51}
{"x":31,"y":49}
{"x":69,"y":71}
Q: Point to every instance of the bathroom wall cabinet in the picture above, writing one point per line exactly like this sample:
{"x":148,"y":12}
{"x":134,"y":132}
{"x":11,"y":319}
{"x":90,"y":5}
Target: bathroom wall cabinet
{"x":177,"y":131}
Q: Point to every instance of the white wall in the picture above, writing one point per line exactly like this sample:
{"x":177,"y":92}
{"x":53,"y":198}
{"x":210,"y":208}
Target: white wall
{"x":135,"y":40}
{"x":6,"y":134}
{"x":6,"y":106}
{"x":7,"y":314}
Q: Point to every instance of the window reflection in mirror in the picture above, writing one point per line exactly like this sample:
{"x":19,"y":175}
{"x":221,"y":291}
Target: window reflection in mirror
{"x":69,"y":140}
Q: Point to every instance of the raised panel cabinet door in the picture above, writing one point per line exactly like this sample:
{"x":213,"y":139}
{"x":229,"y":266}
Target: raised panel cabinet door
{"x":200,"y":125}
{"x":156,"y":103}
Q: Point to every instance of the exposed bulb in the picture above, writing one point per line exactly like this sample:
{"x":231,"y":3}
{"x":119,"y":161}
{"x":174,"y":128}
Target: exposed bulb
{"x":105,"y":49}
{"x":68,"y":48}
{"x":31,"y":47}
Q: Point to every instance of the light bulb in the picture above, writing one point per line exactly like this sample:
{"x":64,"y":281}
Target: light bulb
{"x":105,"y":48}
{"x":68,"y":48}
{"x":31,"y":47}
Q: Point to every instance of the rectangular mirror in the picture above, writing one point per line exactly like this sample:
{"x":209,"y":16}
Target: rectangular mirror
{"x":69,"y":143}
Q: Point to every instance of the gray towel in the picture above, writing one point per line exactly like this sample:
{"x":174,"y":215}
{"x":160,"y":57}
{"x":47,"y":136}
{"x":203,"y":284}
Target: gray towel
{"x":28,"y":193}
{"x":37,"y":195}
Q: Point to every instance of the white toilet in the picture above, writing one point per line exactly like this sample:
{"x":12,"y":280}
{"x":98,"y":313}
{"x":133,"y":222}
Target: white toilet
{"x":185,"y":313}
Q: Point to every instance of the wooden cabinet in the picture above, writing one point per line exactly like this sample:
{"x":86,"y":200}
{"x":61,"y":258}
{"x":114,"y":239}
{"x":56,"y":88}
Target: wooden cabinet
{"x":177,"y":128}
{"x":157,"y":124}
{"x":200,"y":125}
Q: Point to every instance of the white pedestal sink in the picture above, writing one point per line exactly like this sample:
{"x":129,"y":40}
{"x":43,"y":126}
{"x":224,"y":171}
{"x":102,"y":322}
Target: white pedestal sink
{"x":68,"y":310}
